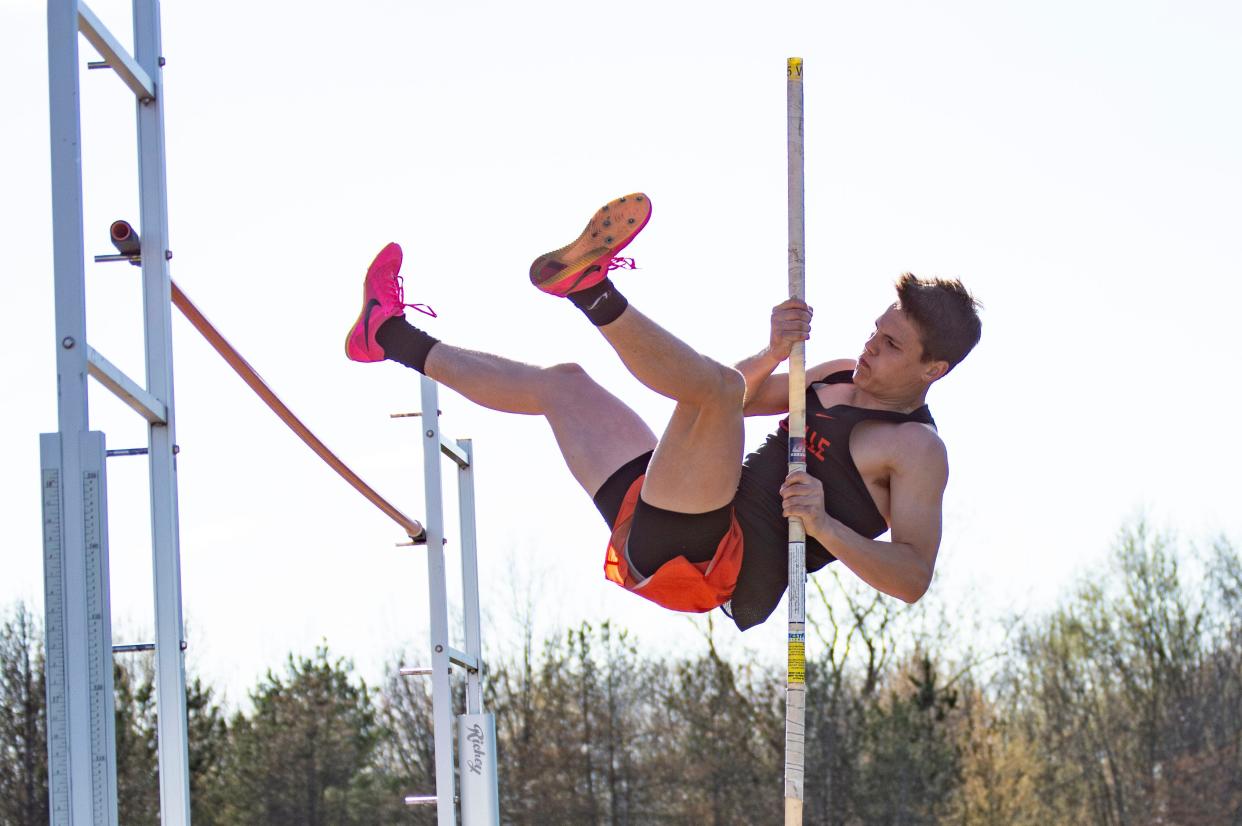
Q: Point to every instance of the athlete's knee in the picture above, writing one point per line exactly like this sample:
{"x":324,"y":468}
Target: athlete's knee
{"x":729,"y":387}
{"x":569,"y":371}
{"x":714,"y":386}
{"x":567,"y":378}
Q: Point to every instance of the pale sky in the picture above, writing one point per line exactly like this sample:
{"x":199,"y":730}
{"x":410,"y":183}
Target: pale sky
{"x":1075,"y":163}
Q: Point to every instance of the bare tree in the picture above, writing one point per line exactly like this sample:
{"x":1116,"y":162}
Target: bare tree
{"x":1131,"y":691}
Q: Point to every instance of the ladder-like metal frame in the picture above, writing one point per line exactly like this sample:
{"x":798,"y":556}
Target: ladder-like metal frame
{"x":476,"y":730}
{"x":81,"y":740}
{"x":81,"y":722}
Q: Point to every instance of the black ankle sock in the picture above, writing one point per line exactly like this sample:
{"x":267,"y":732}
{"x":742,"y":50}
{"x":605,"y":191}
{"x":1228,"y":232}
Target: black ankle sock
{"x":404,"y":343}
{"x":602,"y":304}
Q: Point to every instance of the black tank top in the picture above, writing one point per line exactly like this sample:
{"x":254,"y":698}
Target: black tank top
{"x":828,"y":459}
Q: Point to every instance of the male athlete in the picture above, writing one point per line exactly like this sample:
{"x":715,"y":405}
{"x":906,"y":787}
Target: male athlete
{"x":694,"y":526}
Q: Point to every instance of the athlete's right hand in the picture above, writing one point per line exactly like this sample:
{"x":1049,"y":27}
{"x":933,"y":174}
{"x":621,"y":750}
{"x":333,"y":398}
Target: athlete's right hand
{"x":791,"y":321}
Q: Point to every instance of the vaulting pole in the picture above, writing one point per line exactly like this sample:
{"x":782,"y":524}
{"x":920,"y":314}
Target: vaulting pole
{"x":795,"y":687}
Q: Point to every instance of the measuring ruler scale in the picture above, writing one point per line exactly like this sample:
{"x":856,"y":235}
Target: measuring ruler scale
{"x":81,"y":719}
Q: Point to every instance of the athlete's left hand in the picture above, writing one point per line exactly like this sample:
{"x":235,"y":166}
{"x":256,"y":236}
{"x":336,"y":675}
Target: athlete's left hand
{"x":803,"y":497}
{"x":791,"y":321}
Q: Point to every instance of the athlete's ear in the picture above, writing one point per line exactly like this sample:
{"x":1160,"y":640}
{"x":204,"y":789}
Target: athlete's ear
{"x":935,"y":370}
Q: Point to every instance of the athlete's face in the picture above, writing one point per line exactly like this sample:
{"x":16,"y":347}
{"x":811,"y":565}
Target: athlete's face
{"x":891,"y":362}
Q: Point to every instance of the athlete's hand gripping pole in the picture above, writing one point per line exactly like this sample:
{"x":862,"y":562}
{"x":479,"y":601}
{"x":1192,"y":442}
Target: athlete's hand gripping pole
{"x":795,"y":687}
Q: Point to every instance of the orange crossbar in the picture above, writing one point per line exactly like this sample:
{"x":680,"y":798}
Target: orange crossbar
{"x":413,"y":528}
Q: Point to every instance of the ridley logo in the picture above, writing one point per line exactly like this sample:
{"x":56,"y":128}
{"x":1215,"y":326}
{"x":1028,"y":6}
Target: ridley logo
{"x":474,"y":736}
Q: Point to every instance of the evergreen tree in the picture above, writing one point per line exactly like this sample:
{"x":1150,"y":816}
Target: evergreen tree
{"x":910,"y":765}
{"x":209,"y":746}
{"x":305,"y":755}
{"x":137,"y":760}
{"x":23,"y":722}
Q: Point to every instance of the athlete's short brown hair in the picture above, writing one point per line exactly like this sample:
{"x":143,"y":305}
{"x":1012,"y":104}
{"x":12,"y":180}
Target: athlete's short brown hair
{"x":946,"y":314}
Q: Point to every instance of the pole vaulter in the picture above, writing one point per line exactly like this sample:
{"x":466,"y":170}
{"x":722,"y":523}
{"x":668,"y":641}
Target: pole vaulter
{"x":692,"y":525}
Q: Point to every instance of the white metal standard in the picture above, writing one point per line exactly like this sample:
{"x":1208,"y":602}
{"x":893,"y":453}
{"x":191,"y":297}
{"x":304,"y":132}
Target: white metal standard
{"x":80,"y":710}
{"x":70,"y":747}
{"x":129,"y":69}
{"x":476,"y":729}
{"x":81,"y":748}
{"x":173,"y":730}
{"x":111,"y":377}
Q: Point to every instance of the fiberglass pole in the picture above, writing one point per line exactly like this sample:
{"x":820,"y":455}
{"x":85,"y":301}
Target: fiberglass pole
{"x":795,"y":688}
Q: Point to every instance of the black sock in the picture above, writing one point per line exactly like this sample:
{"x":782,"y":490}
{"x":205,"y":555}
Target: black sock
{"x":602,"y":304}
{"x":404,"y":343}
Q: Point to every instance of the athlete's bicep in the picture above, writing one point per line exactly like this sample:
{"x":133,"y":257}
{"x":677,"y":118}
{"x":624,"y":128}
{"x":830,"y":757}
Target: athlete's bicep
{"x":916,"y":497}
{"x":772,"y":397}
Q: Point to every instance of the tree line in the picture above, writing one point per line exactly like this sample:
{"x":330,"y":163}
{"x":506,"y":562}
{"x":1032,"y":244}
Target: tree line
{"x":1121,"y":707}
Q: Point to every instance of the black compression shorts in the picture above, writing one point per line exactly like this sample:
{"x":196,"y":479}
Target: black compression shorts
{"x":658,"y":535}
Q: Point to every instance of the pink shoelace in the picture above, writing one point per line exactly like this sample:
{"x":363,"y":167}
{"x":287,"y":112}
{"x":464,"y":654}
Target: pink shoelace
{"x":622,"y":264}
{"x":398,"y":284}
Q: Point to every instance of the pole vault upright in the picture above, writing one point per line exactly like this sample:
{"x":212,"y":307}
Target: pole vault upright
{"x":81,"y":735}
{"x":476,"y":728}
{"x":80,"y":708}
{"x":795,"y":687}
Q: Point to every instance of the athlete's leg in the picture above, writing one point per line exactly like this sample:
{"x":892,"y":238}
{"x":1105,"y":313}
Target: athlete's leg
{"x":596,"y":432}
{"x":698,"y":462}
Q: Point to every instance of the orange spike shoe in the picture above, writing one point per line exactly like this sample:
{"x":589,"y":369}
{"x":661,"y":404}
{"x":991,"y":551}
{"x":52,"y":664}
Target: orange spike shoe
{"x":587,"y":261}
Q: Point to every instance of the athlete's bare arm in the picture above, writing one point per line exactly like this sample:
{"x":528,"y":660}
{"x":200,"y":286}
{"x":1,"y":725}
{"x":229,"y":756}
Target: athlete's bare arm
{"x":767,"y":393}
{"x":771,"y":398}
{"x":901,"y":567}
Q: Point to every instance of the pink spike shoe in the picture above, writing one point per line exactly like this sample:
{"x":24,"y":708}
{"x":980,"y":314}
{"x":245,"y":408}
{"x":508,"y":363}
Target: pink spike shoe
{"x":587,"y":261}
{"x":382,"y":299}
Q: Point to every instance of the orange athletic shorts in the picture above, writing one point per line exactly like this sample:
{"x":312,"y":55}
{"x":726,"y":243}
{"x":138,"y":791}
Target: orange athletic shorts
{"x":679,"y":584}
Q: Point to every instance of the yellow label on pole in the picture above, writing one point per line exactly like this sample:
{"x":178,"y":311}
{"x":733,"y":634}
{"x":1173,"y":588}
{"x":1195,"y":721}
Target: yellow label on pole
{"x":794,"y":68}
{"x":797,"y":658}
